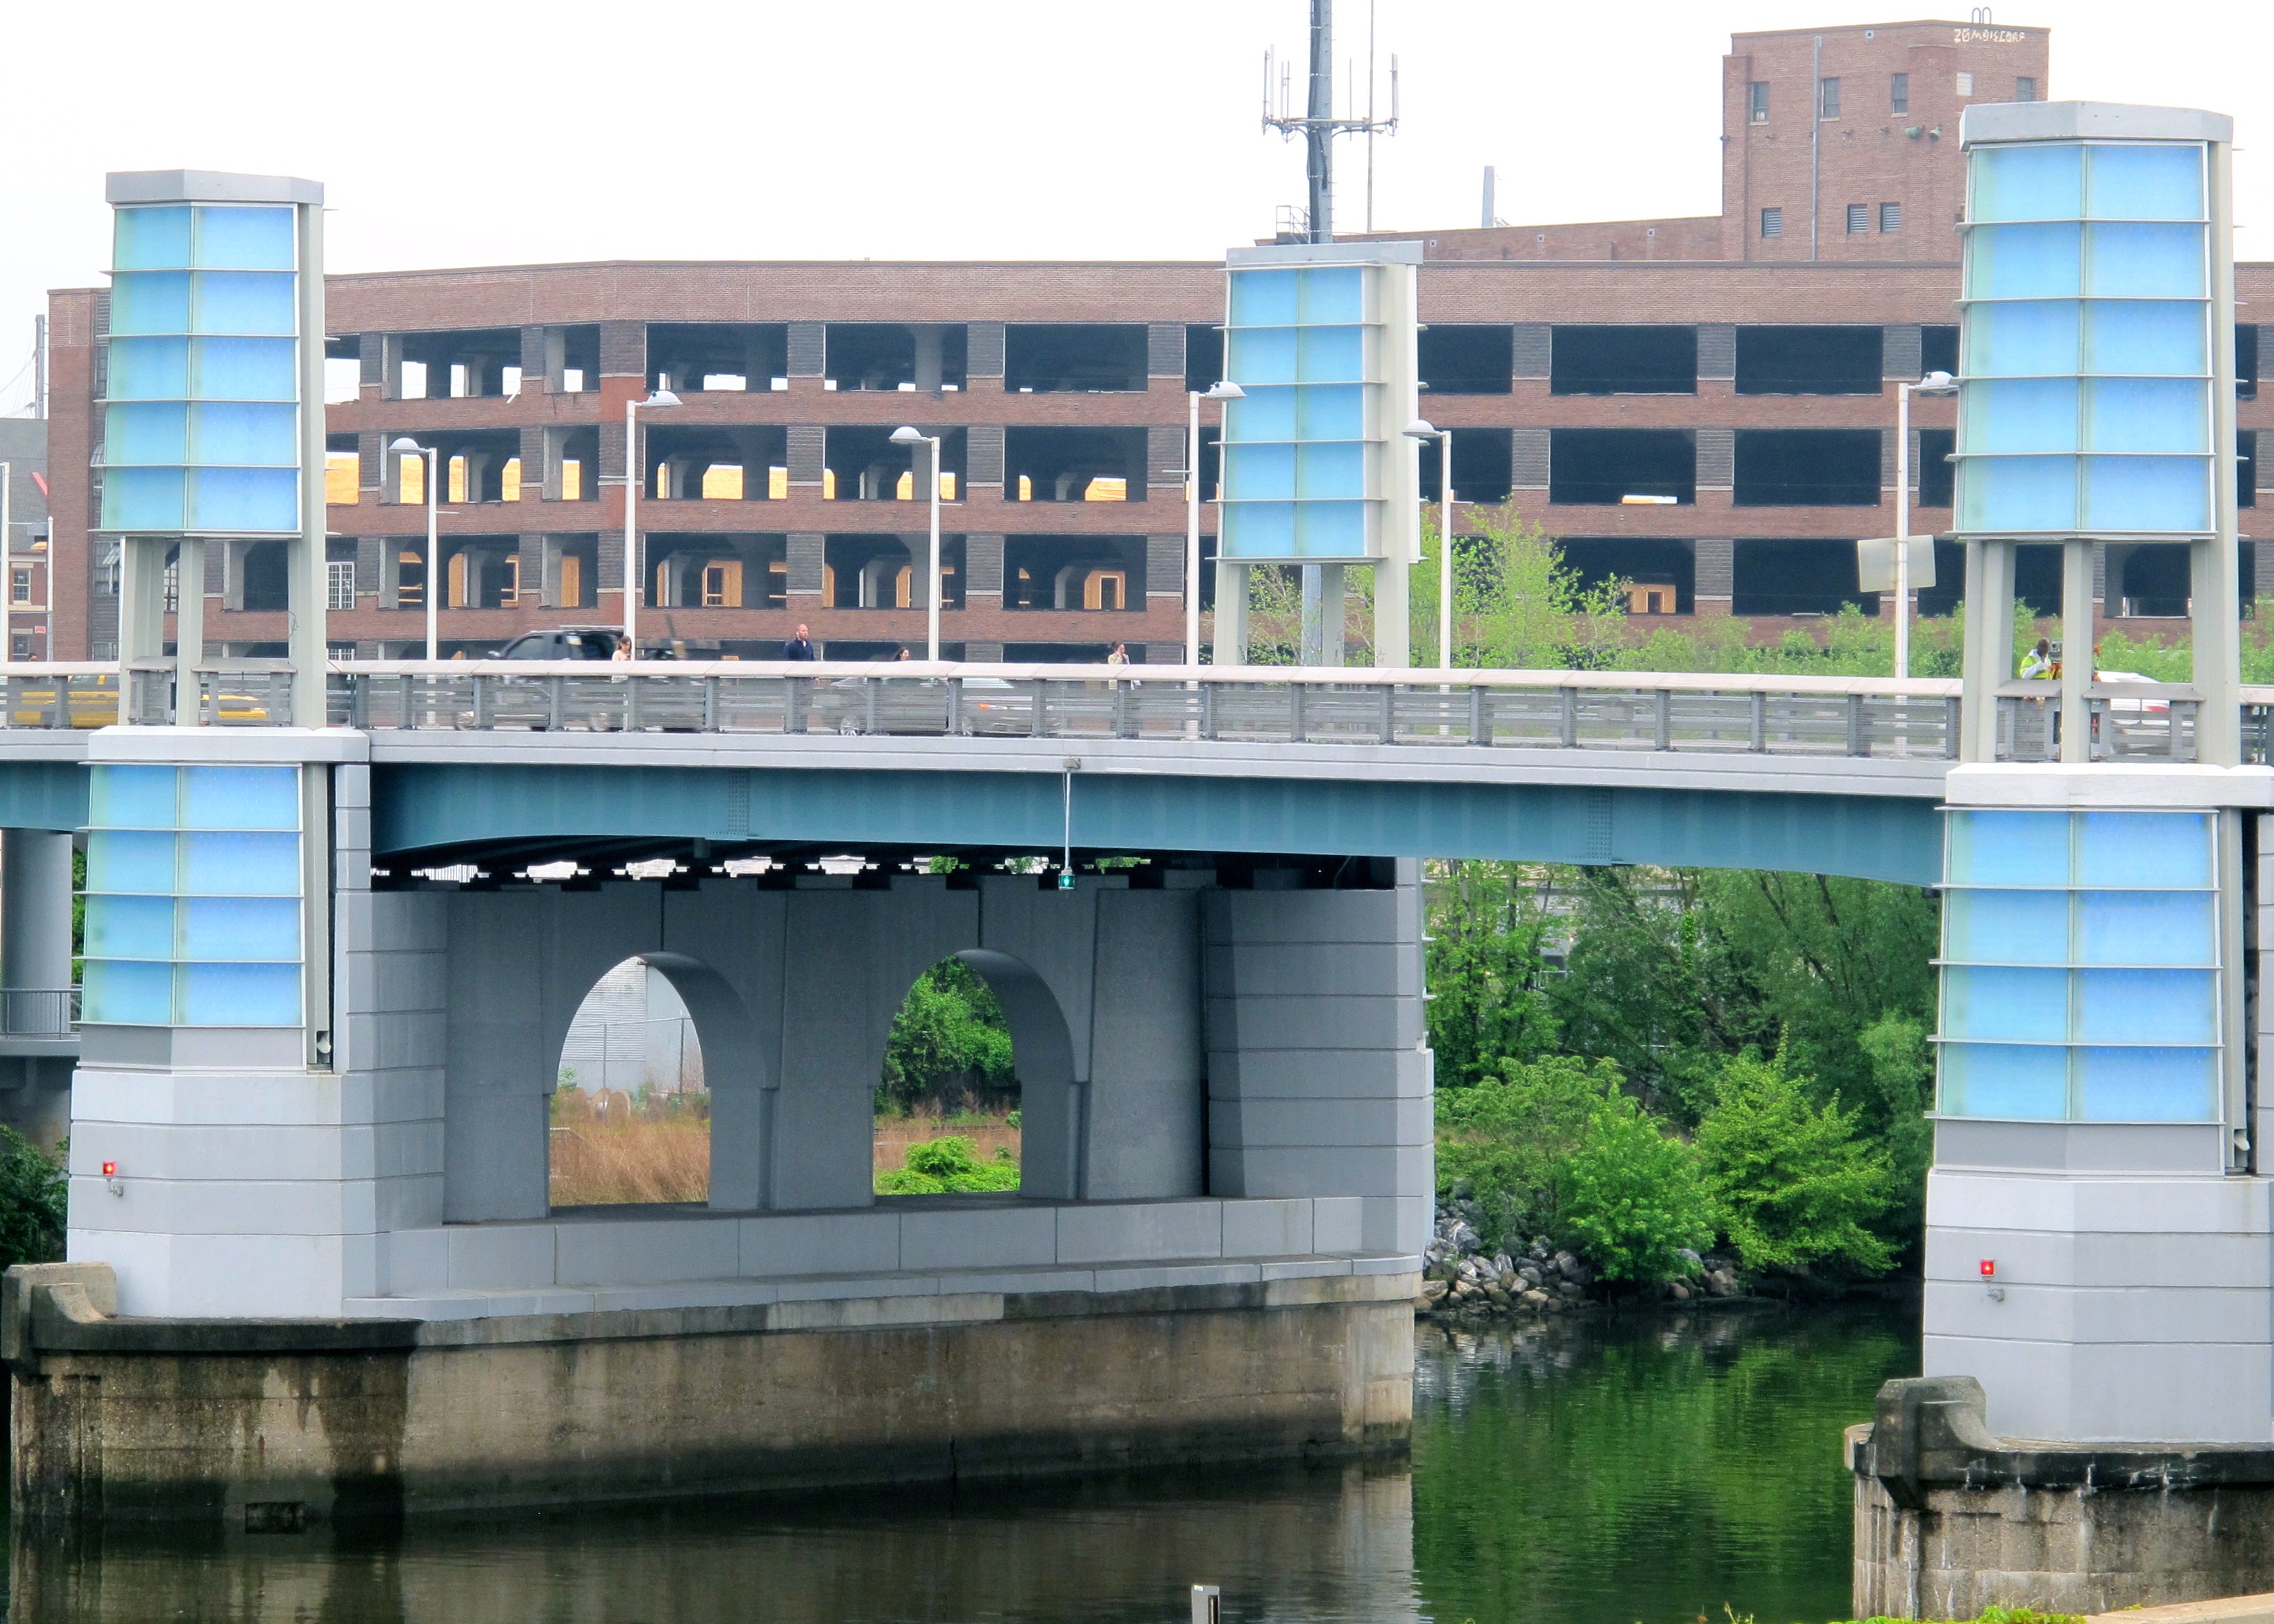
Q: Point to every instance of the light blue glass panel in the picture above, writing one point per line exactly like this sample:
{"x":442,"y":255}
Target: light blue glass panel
{"x":128,"y":995}
{"x":129,"y":797}
{"x":1259,"y":530}
{"x":240,"y":798}
{"x":1263,"y":299}
{"x":1260,"y":355}
{"x":240,"y":995}
{"x":2021,"y":414}
{"x":1266,"y":414}
{"x":2023,"y":262}
{"x":2147,"y":1006}
{"x":250,"y":302}
{"x":2147,"y":1084}
{"x":1259,"y":473}
{"x":154,"y":239}
{"x":2031,"y":182}
{"x":2005,"y":927}
{"x":1331,"y":411}
{"x":1330,"y":530}
{"x":2146,"y":928}
{"x":1982,"y":1000}
{"x":142,"y":499}
{"x":2147,"y":414}
{"x":241,"y":928}
{"x":2017,"y":494}
{"x":1333,"y":355}
{"x":244,"y":499}
{"x":246,"y":239}
{"x":2152,"y":340}
{"x":2144,"y":261}
{"x":150,"y":432}
{"x":1333,"y":294}
{"x":1330,"y":468}
{"x":129,"y":861}
{"x":261,"y":433}
{"x":2146,"y":182}
{"x":2021,"y":340}
{"x":2140,"y":850}
{"x":148,"y":369}
{"x":2004,"y":1079}
{"x":241,"y":865}
{"x":149,"y":302}
{"x":244,"y":369}
{"x":130,"y":928}
{"x":2147,"y":493}
{"x":2008,"y":848}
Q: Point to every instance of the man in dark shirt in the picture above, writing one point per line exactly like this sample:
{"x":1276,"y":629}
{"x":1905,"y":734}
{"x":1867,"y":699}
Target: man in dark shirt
{"x":799,"y":648}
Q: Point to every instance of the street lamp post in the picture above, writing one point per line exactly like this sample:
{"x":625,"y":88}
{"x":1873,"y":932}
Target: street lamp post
{"x":1933,"y":383}
{"x":433,"y":592}
{"x":1225,"y":391}
{"x":1421,"y":428}
{"x":635,"y":476}
{"x":905,"y":435}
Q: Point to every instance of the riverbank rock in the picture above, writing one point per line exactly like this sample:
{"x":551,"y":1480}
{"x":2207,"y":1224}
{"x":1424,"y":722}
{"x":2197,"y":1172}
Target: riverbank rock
{"x":1462,"y":1280}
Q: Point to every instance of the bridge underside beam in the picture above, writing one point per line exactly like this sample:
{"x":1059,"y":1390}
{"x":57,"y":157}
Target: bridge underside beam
{"x":497,"y":814}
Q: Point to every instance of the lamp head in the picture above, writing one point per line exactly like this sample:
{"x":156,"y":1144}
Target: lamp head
{"x":1421,"y":428}
{"x":406,"y":444}
{"x":1937,"y":382}
{"x":1225,"y":391}
{"x":663,"y":399}
{"x":906,"y":435}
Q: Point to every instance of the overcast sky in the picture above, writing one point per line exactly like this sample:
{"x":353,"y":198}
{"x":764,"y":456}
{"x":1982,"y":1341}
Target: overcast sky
{"x":484,"y":132}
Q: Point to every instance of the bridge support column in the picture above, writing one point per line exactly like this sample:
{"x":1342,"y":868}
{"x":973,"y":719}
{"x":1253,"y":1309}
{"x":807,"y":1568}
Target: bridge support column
{"x":35,"y":980}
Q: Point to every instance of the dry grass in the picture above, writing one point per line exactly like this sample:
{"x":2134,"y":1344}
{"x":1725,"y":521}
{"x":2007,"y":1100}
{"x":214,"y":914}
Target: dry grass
{"x":986,"y":1132}
{"x":609,"y":1149}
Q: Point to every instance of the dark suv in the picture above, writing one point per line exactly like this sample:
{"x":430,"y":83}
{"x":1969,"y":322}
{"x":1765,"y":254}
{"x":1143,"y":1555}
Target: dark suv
{"x":567,"y":642}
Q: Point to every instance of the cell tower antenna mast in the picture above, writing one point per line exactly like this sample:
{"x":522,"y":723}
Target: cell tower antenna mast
{"x":1317,"y":123}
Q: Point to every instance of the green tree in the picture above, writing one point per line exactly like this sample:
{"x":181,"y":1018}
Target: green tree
{"x":1489,"y":1003}
{"x":33,"y":1194}
{"x":949,"y":1043}
{"x":1792,"y":1183}
{"x":1632,"y":1200}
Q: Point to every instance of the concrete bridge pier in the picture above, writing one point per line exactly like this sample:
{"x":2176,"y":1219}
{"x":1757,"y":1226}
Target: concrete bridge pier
{"x":317,"y":1269}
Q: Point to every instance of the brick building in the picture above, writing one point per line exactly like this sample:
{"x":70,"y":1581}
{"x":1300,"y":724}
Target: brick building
{"x":1702,"y":407}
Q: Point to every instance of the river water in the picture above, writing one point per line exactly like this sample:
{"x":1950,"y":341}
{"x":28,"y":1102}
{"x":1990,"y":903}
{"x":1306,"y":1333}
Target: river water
{"x":1645,"y":1468}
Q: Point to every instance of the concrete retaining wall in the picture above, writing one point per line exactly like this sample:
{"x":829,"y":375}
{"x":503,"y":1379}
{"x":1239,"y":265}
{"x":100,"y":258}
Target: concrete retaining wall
{"x":281,"y":1424}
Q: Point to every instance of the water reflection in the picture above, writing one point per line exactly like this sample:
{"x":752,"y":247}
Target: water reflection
{"x":1604,"y":1472}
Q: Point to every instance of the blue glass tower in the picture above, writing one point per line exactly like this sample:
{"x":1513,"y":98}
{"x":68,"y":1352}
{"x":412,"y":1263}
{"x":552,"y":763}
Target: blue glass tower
{"x":213,"y":407}
{"x":1317,"y":469}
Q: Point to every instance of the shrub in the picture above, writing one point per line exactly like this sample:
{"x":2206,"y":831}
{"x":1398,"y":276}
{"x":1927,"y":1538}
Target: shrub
{"x":1632,"y":1201}
{"x":1507,"y":1137}
{"x":33,"y":1194}
{"x":1791,"y":1184}
{"x":937,"y":1167}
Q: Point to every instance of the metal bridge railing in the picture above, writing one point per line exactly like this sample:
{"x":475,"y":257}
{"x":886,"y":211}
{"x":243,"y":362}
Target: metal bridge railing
{"x":1537,"y":709}
{"x":39,"y":1011}
{"x":1670,"y":711}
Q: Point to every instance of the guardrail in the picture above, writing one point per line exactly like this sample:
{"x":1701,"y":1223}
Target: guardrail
{"x":39,"y":1011}
{"x":1285,"y":705}
{"x":1632,"y":710}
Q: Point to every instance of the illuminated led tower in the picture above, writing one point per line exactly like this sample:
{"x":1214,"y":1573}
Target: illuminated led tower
{"x":213,"y":426}
{"x":1317,"y":467}
{"x":2097,"y":1251}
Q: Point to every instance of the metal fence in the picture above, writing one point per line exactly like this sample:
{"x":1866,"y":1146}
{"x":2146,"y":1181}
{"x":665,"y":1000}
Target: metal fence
{"x":39,"y":1011}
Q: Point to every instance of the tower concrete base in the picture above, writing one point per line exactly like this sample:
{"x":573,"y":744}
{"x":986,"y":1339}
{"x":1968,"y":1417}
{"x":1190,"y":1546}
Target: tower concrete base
{"x":1950,"y":1518}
